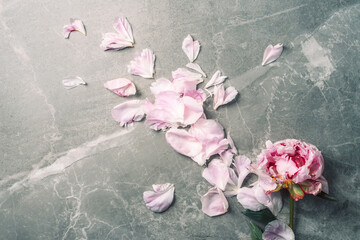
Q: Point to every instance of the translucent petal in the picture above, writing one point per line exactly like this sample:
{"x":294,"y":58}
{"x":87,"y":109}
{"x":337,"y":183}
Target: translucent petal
{"x":161,"y":198}
{"x":128,"y":112}
{"x":121,"y":86}
{"x":75,"y":25}
{"x":196,"y":67}
{"x":272,"y":53}
{"x":214,"y":203}
{"x":143,"y":64}
{"x":122,"y":26}
{"x":216,"y":79}
{"x":217,"y":174}
{"x":191,"y":48}
{"x":71,"y":82}
{"x":277,"y":230}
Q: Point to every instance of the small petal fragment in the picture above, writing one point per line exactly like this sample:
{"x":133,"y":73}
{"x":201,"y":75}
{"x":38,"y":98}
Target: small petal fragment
{"x":71,"y":82}
{"x":143,"y":64}
{"x":128,"y":112}
{"x":277,"y":230}
{"x":214,"y":203}
{"x":191,"y":48}
{"x":121,"y":86}
{"x":231,"y":143}
{"x":216,"y":79}
{"x":75,"y":25}
{"x":222,"y":96}
{"x":196,"y":67}
{"x":217,"y":174}
{"x":114,"y":41}
{"x":161,"y":198}
{"x":122,"y":26}
{"x":272,"y":53}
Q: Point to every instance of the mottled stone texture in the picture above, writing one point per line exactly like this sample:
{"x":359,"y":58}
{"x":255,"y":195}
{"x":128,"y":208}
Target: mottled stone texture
{"x":68,"y":171}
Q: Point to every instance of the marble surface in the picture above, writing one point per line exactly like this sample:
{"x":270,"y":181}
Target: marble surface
{"x":68,"y":171}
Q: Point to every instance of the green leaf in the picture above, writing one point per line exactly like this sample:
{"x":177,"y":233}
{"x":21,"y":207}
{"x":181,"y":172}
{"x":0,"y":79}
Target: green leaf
{"x":256,"y":233}
{"x":326,"y":196}
{"x":263,"y":216}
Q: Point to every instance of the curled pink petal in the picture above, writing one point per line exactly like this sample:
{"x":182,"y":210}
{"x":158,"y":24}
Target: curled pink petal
{"x":75,"y":25}
{"x":193,"y":110}
{"x":196,"y":67}
{"x":216,"y":79}
{"x":231,"y":188}
{"x":227,"y":157}
{"x":128,"y":112}
{"x":272,"y":201}
{"x":272,"y":53}
{"x":214,"y":203}
{"x":114,"y":41}
{"x":121,"y":86}
{"x":242,"y":165}
{"x":184,"y":80}
{"x":246,"y":197}
{"x":71,"y":82}
{"x":161,"y":198}
{"x":217,"y":174}
{"x":122,"y":26}
{"x":191,"y":48}
{"x":278,"y":230}
{"x":222,"y":96}
{"x":161,"y":85}
{"x":143,"y":64}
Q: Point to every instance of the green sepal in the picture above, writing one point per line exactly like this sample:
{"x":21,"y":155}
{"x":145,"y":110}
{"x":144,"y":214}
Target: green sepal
{"x":296,"y":192}
{"x":256,"y":233}
{"x":326,"y":196}
{"x":263,"y":216}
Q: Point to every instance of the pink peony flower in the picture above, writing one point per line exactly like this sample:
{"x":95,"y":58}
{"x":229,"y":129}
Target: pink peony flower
{"x":291,"y":164}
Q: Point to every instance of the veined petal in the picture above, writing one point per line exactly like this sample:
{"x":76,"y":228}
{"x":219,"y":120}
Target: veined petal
{"x":214,"y":203}
{"x":196,"y":67}
{"x":128,"y":112}
{"x":272,"y":53}
{"x":217,"y":174}
{"x":222,"y":97}
{"x":191,"y":48}
{"x":161,"y":85}
{"x":114,"y":41}
{"x":161,"y":198}
{"x":75,"y":25}
{"x":216,"y":79}
{"x":121,"y":86}
{"x":246,"y":197}
{"x":277,"y":230}
{"x":182,"y":142}
{"x":122,"y":26}
{"x":143,"y":64}
{"x":71,"y":82}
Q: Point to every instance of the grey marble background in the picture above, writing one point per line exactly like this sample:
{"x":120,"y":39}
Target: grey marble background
{"x":68,"y":171}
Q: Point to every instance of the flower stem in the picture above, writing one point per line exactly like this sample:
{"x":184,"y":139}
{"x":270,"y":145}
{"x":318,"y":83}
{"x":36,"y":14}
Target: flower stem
{"x":291,"y":218}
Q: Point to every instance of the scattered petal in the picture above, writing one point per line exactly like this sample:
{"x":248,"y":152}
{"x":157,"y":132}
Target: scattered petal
{"x":122,"y":26}
{"x":199,"y":95}
{"x":128,"y":112}
{"x":222,"y":97}
{"x":114,"y":41}
{"x":214,"y":203}
{"x":71,"y":82}
{"x":231,"y":143}
{"x":185,"y":81}
{"x":272,"y":201}
{"x":75,"y":25}
{"x":277,"y":230}
{"x":196,"y":67}
{"x":227,"y":157}
{"x":216,"y":79}
{"x":272,"y":53}
{"x":217,"y":174}
{"x":242,"y":165}
{"x":143,"y":64}
{"x":161,"y":85}
{"x":191,"y":48}
{"x":246,"y":197}
{"x":121,"y":86}
{"x":161,"y":198}
{"x":183,"y":142}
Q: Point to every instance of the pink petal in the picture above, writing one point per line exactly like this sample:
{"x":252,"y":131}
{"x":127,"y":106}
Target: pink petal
{"x":242,"y":165}
{"x":215,"y":146}
{"x":216,"y":79}
{"x":196,"y":67}
{"x":246,"y":197}
{"x":231,"y":188}
{"x":71,"y":82}
{"x":121,"y":86}
{"x":227,"y":157}
{"x":128,"y":112}
{"x":122,"y":26}
{"x":143,"y":64}
{"x":161,"y":199}
{"x":161,"y":85}
{"x":217,"y":174}
{"x":222,"y":97}
{"x":199,"y":95}
{"x":278,"y":230}
{"x":114,"y":41}
{"x":191,"y":48}
{"x":75,"y":25}
{"x":272,"y":201}
{"x":272,"y":53}
{"x":183,"y":142}
{"x":185,"y":81}
{"x":231,"y":143}
{"x":324,"y":184}
{"x":206,"y":130}
{"x":193,"y":110}
{"x":214,"y":203}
